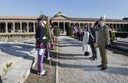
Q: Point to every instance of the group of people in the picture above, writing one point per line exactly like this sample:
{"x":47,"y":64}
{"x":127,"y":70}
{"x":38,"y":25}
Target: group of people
{"x":97,"y":35}
{"x":45,"y":36}
{"x":78,"y":34}
{"x":44,"y":41}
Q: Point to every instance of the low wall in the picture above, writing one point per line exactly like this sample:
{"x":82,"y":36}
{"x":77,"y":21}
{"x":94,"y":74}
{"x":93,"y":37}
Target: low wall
{"x":16,"y":37}
{"x":121,"y":46}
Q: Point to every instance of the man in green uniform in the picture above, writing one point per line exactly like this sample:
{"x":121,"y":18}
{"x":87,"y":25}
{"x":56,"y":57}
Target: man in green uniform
{"x":103,"y":42}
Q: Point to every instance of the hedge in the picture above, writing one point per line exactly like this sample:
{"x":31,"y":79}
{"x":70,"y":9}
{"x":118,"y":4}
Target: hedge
{"x":56,"y":31}
{"x":122,"y":34}
{"x":69,"y":31}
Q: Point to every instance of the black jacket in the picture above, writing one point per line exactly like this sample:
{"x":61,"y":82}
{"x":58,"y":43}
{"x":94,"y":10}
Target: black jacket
{"x":40,"y":33}
{"x":92,"y":36}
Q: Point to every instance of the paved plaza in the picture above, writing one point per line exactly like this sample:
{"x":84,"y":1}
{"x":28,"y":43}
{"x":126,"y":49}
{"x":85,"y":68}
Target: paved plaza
{"x":74,"y":67}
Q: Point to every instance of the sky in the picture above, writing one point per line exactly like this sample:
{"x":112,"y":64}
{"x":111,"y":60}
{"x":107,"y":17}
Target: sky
{"x":115,"y":9}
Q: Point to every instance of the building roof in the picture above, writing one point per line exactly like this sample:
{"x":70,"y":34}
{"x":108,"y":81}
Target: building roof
{"x":95,"y":19}
{"x":82,"y":19}
{"x":19,"y":17}
{"x":60,"y":14}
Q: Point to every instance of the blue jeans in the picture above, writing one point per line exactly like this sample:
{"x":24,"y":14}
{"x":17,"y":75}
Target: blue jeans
{"x":40,"y":53}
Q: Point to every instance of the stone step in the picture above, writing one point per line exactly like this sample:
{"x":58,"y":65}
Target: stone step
{"x":122,"y":46}
{"x":23,"y":60}
{"x":4,"y":61}
{"x":19,"y":71}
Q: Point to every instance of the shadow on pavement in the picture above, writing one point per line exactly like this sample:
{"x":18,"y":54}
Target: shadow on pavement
{"x":119,"y":51}
{"x":111,"y":70}
{"x":34,"y":71}
{"x":19,"y":50}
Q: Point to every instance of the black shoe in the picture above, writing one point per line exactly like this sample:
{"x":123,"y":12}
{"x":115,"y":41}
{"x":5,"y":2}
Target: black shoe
{"x":100,"y":65}
{"x":104,"y":67}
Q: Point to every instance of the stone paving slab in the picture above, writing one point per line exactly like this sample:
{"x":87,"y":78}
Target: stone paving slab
{"x":19,"y":54}
{"x":74,"y":67}
{"x":125,"y":40}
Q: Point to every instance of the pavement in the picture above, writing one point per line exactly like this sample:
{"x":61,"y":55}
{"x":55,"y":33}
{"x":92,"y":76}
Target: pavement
{"x":74,"y":67}
{"x":20,"y":54}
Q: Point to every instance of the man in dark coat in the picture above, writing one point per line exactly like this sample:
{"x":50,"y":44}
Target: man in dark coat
{"x":92,"y":41}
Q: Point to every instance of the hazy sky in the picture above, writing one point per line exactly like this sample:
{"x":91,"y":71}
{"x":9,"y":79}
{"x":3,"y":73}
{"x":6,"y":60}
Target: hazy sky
{"x":71,"y":8}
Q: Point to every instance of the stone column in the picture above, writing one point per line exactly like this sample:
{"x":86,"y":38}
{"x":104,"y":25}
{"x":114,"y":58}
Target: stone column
{"x":27,"y":27}
{"x":13,"y":27}
{"x":115,"y":27}
{"x":34,"y":27}
{"x":20,"y":27}
{"x":120,"y":27}
{"x":6,"y":28}
{"x":79,"y":25}
{"x":58,"y":24}
{"x":112,"y":25}
{"x":69,"y":23}
{"x":64,"y":26}
{"x":74,"y":23}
